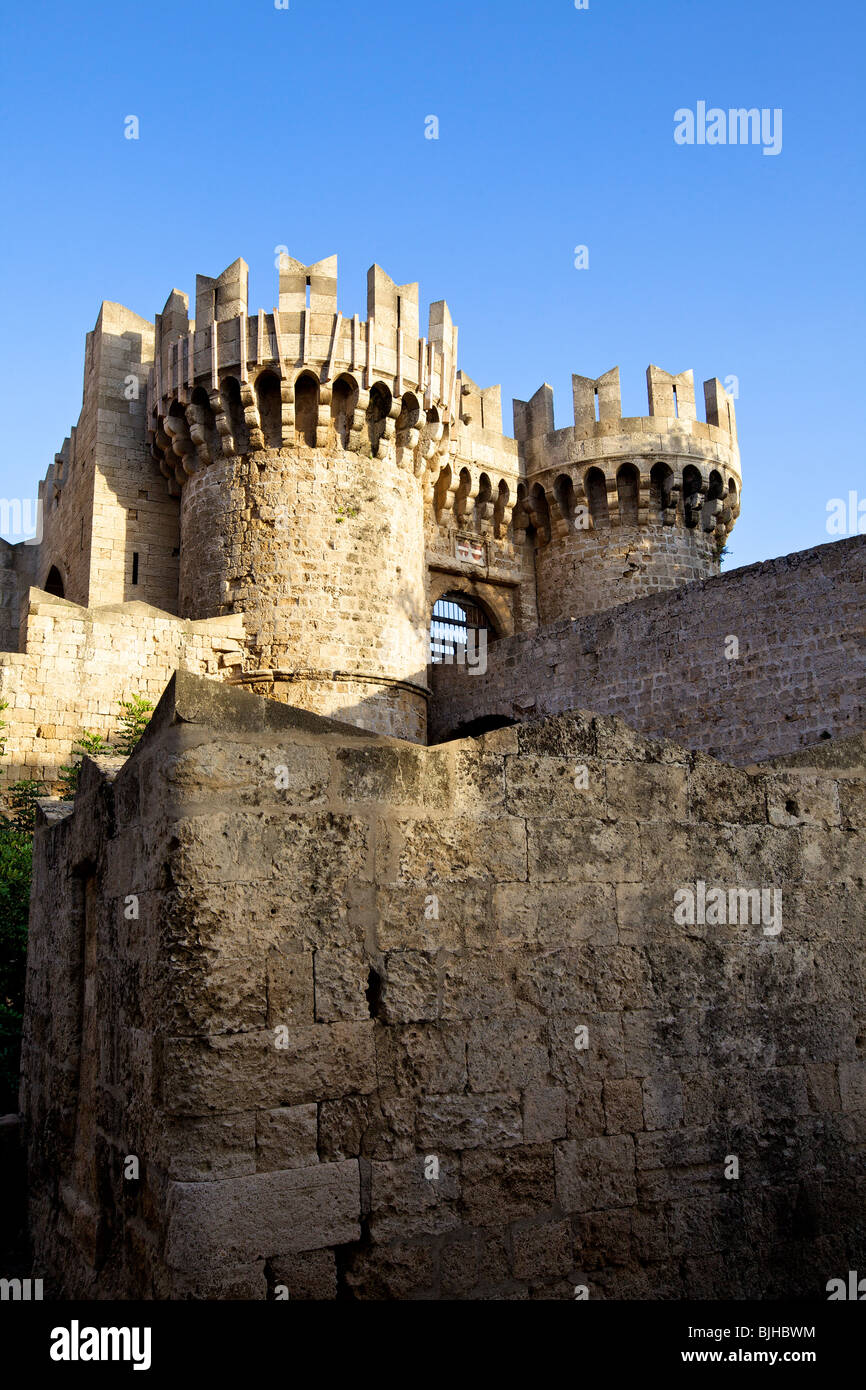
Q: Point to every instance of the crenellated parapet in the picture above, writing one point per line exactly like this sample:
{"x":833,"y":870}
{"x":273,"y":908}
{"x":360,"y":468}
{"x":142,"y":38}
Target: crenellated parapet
{"x":228,"y":382}
{"x":607,"y":471}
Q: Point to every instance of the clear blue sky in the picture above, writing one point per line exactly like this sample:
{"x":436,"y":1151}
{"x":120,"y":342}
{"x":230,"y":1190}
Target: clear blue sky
{"x":305,"y":127}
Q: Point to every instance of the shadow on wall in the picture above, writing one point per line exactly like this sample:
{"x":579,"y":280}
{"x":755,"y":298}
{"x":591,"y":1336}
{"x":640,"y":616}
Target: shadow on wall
{"x":474,"y":728}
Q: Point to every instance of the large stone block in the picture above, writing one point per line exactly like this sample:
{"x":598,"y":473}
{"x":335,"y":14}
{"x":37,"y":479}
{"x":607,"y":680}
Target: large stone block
{"x":507,"y":1054}
{"x":268,"y":1069}
{"x":469,"y":1122}
{"x":410,"y":987}
{"x":592,"y":1174}
{"x":447,"y":849}
{"x":305,"y":1276}
{"x":404,"y":1202}
{"x":589,"y":851}
{"x":425,"y":1059}
{"x":257,"y":1218}
{"x":286,"y":1138}
{"x":506,"y":1185}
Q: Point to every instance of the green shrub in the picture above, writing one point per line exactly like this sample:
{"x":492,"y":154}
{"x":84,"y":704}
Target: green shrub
{"x":21,"y":798}
{"x":134,"y":719}
{"x":92,"y":745}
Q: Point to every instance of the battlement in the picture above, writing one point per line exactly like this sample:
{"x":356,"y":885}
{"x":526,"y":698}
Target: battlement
{"x":304,"y":331}
{"x":598,"y":407}
{"x":227,"y":382}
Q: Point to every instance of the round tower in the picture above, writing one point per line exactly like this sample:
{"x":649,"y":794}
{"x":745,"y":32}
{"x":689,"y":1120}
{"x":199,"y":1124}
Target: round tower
{"x":300,"y":444}
{"x":618,"y":508}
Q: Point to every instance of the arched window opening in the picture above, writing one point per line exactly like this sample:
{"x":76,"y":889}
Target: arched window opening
{"x":463,"y":491}
{"x":595,"y":487}
{"x":459,"y":621}
{"x":522,"y":515}
{"x":563,"y":491}
{"x":306,"y":409}
{"x":270,"y":404}
{"x":500,"y":508}
{"x":177,"y":431}
{"x":711,"y":508}
{"x":377,"y":413}
{"x":343,"y":401}
{"x":202,"y":415}
{"x":484,"y":500}
{"x":410,"y":413}
{"x":54,"y":583}
{"x":231,"y":394}
{"x":540,"y":512}
{"x":661,"y":484}
{"x":628,"y":494}
{"x":440,"y":491}
{"x":692,"y":500}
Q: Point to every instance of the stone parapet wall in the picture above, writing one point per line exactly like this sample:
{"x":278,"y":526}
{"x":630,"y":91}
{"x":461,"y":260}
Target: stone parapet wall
{"x":396,"y":1022}
{"x":662,"y":663}
{"x":79,"y":663}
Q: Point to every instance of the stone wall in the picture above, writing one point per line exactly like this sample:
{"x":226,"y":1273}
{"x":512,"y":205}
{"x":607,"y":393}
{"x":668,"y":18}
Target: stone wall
{"x":77,"y":664}
{"x":331,"y":990}
{"x":660,"y":662}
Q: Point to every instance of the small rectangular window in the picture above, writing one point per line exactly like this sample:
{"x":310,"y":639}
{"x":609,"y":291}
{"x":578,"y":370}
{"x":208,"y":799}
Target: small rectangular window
{"x":135,"y":566}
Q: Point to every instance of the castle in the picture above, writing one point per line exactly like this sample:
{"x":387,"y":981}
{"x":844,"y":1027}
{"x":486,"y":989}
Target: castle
{"x":294,"y":491}
{"x":361,"y":978}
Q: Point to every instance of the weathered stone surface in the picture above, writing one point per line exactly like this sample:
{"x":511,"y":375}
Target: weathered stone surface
{"x":394,"y":1271}
{"x":341,"y":981}
{"x":594,"y":1173}
{"x":506,"y":1185}
{"x":307,"y":1275}
{"x":852,"y":1085}
{"x":286,"y":1138}
{"x":404,"y":1202}
{"x":410,"y":987}
{"x":544,"y":1249}
{"x":195,"y":1149}
{"x":260,"y":1217}
{"x":469,"y":1122}
{"x":623,"y":1109}
{"x":457,"y":1084}
{"x":263,"y":1069}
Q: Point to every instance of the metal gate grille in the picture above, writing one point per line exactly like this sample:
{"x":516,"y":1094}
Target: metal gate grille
{"x":452,"y":620}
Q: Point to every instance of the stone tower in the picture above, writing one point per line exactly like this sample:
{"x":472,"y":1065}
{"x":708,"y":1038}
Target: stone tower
{"x":297,"y":441}
{"x":619,"y":507}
